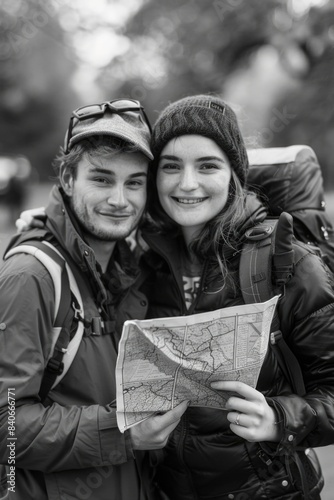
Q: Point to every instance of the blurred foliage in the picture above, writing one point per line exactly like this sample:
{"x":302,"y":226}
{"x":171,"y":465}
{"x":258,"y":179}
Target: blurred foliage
{"x":273,"y":59}
{"x":313,"y":102}
{"x":35,"y":94}
{"x":179,"y":48}
{"x":194,"y":46}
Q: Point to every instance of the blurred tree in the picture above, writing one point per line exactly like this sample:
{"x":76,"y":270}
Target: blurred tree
{"x":35,"y":94}
{"x":312,"y":103}
{"x":181,"y":48}
{"x":50,"y":54}
{"x":273,"y":58}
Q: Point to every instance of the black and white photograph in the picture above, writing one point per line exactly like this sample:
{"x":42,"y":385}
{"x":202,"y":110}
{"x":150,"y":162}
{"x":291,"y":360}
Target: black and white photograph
{"x":167,"y":249}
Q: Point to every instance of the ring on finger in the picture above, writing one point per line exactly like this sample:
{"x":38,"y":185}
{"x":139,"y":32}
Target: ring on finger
{"x":237,"y":419}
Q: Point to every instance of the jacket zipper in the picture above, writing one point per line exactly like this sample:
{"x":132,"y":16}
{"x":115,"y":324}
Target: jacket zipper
{"x":200,"y":289}
{"x":184,"y":419}
{"x":180,"y":292}
{"x":183,"y":308}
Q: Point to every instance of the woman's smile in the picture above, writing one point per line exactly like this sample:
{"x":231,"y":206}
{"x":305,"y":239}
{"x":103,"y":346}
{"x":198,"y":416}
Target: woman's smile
{"x":189,"y":201}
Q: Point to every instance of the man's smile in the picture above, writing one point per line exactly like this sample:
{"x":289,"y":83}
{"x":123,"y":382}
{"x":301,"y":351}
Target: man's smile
{"x":115,"y":215}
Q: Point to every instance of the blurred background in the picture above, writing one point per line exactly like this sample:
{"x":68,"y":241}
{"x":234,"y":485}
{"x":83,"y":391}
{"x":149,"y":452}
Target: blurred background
{"x":272,"y":60}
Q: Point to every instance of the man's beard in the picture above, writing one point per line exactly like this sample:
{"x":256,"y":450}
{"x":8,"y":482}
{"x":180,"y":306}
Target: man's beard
{"x":117,"y":232}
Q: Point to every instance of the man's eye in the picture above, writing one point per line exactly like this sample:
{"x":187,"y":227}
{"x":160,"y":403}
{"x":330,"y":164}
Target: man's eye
{"x":101,"y":180}
{"x":136,"y":183}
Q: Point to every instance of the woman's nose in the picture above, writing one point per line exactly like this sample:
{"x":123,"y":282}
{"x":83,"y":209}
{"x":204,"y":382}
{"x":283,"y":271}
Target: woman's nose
{"x":188,"y":181}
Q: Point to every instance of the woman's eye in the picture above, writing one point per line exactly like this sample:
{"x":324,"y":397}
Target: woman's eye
{"x":170,"y":166}
{"x":209,"y":166}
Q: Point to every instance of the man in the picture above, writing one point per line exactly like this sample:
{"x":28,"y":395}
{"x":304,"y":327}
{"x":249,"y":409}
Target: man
{"x":68,"y":446}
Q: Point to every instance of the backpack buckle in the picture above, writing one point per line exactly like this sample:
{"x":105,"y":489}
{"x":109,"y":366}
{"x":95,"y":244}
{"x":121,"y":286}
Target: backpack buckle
{"x":55,"y":366}
{"x":275,"y":337}
{"x":77,"y":312}
{"x":265,"y":458}
{"x":283,"y":274}
{"x":258,"y":233}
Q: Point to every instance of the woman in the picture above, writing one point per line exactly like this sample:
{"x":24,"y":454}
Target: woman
{"x":200,"y":211}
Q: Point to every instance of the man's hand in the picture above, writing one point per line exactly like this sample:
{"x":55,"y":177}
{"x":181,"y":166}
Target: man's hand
{"x":29,"y":219}
{"x":250,"y":415}
{"x":153,"y":433}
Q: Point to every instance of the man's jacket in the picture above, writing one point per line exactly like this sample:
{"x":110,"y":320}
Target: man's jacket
{"x":203,"y":458}
{"x":69,"y":447}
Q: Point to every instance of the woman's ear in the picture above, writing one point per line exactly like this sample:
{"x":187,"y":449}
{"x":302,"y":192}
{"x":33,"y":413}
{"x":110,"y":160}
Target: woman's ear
{"x":66,"y":179}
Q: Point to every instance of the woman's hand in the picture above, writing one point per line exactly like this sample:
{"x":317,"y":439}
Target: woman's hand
{"x":250,"y":415}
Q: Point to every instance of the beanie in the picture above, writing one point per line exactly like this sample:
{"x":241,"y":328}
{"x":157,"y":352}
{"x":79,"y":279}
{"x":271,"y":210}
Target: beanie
{"x":204,"y":115}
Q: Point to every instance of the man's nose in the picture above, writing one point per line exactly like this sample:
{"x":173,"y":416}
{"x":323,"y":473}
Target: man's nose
{"x":117,"y":196}
{"x":188,"y":180}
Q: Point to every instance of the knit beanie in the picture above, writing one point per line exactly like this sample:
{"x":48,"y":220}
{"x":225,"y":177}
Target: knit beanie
{"x":204,"y":115}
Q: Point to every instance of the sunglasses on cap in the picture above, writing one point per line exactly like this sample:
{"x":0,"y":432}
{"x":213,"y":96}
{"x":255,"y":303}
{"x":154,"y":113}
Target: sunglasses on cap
{"x":117,"y":106}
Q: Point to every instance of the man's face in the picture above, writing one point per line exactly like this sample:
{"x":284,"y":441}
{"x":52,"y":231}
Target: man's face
{"x":108,"y":195}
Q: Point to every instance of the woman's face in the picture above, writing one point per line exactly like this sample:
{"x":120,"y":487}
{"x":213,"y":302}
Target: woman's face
{"x":193,"y":181}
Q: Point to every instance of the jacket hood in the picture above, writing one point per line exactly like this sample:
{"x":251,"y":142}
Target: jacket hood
{"x":255,"y":212}
{"x":61,"y":225}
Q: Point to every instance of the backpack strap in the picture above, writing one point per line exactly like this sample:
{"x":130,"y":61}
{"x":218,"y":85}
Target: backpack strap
{"x":266,"y":265}
{"x":255,"y":269}
{"x":68,"y":310}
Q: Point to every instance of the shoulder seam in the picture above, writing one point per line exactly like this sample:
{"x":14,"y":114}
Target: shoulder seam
{"x":37,"y":269}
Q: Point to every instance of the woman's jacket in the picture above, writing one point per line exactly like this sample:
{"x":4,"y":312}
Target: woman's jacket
{"x":204,"y":459}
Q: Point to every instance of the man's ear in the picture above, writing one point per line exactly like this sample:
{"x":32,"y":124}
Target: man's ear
{"x":66,"y":179}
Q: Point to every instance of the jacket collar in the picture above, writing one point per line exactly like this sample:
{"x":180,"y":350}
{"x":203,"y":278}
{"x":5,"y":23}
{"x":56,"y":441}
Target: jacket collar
{"x":62,"y":225}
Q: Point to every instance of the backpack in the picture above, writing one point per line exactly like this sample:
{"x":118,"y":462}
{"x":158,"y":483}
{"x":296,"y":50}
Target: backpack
{"x":289,"y":182}
{"x":68,"y":325}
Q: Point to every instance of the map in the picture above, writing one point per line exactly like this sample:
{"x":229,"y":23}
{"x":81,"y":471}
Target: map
{"x":164,"y":361}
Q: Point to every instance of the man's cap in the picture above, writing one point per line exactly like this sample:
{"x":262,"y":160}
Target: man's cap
{"x":125,"y":125}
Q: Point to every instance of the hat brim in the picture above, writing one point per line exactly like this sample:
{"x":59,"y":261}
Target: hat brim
{"x":115,"y":128}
